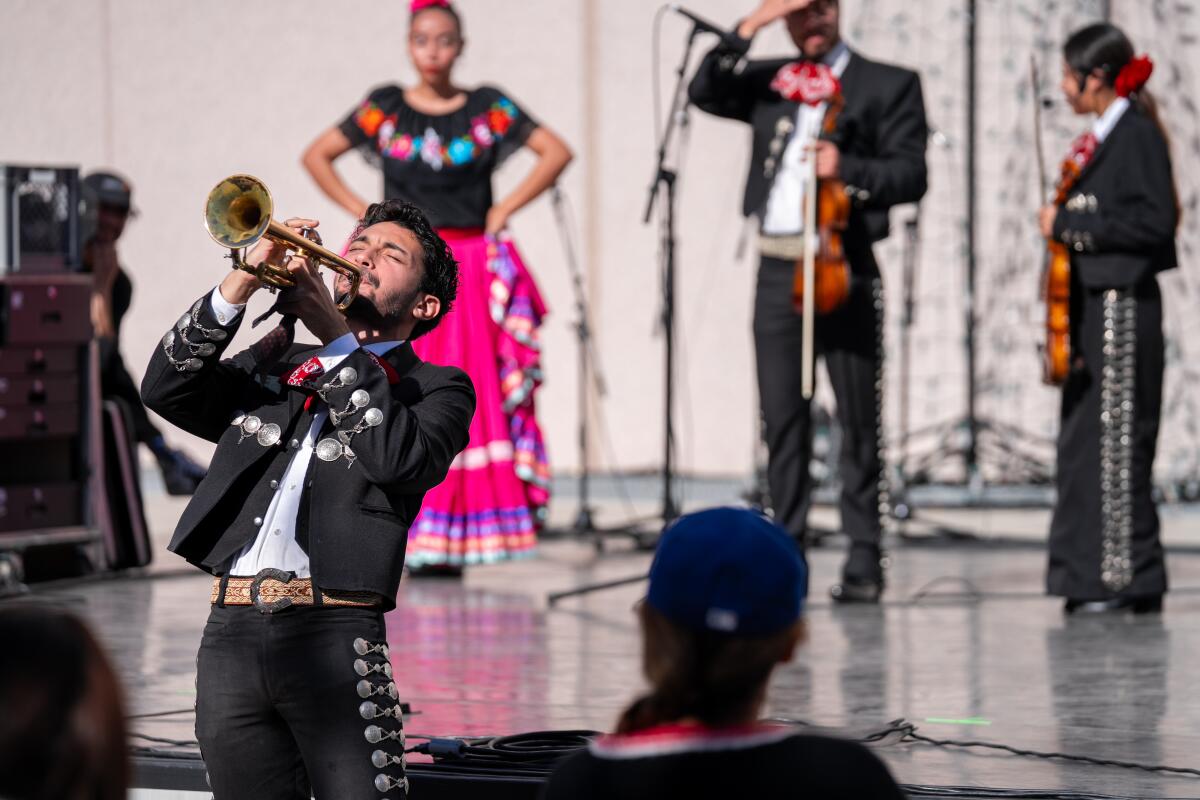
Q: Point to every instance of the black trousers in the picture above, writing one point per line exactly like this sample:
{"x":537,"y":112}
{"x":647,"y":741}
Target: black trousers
{"x":850,"y":342}
{"x":1104,"y":533}
{"x":277,"y":705}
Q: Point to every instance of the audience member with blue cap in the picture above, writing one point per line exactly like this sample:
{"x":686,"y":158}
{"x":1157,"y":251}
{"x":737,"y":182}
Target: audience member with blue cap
{"x":724,"y":608}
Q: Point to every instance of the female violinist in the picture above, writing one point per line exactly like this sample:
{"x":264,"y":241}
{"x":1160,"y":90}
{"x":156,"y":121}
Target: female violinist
{"x":1118,"y":223}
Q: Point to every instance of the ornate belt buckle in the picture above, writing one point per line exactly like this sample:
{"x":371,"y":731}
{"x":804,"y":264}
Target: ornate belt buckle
{"x":270,"y":573}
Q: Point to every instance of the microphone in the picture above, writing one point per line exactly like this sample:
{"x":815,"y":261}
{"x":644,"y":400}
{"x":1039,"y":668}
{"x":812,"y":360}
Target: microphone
{"x":701,"y":24}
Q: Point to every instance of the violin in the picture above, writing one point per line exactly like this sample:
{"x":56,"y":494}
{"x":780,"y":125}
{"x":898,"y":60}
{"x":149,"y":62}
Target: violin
{"x":1056,"y":271}
{"x":1056,"y":291}
{"x":823,"y":266}
{"x":831,"y":272}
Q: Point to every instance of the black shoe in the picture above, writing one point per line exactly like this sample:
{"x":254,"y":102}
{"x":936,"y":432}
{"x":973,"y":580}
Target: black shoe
{"x":855,"y":591}
{"x":181,"y":475}
{"x":1149,"y":604}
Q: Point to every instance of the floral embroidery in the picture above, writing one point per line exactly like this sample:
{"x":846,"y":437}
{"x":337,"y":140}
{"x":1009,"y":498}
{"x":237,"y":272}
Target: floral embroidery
{"x":431,"y":149}
{"x":486,"y":130}
{"x":369,"y":118}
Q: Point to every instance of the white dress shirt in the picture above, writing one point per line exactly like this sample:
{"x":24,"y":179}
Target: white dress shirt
{"x":275,"y":545}
{"x":784,"y":215}
{"x":1104,"y":124}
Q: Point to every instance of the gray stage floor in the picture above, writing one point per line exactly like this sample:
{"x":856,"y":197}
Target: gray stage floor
{"x":966,"y":647}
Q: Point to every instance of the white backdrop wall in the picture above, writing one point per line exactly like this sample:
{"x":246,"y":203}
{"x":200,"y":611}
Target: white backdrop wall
{"x":178,"y":94}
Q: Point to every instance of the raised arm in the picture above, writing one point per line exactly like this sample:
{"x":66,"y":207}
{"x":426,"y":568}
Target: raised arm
{"x":318,"y":160}
{"x":553,"y":157}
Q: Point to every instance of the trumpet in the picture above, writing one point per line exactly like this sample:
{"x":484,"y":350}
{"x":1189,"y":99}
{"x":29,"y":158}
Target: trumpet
{"x":237,"y":214}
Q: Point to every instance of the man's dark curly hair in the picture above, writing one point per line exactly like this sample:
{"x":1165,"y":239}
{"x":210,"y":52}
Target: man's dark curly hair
{"x":441,"y":270}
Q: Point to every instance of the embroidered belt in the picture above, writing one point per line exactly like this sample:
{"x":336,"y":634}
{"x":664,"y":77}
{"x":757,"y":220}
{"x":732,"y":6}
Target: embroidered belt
{"x":274,"y":590}
{"x":789,"y":248}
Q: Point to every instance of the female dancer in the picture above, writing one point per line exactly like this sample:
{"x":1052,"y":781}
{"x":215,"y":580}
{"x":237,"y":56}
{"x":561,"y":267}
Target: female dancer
{"x":1118,"y":223}
{"x":438,"y":145}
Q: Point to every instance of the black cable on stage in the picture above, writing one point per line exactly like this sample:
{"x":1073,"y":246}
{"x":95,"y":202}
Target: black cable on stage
{"x":917,"y":792}
{"x":537,"y":748}
{"x":909,"y":733}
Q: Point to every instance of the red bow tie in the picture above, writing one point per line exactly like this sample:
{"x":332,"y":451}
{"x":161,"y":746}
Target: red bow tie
{"x":303,"y":373}
{"x":806,"y":82}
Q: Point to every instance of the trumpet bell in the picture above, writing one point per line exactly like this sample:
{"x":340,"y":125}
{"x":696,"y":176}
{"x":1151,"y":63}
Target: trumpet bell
{"x":238,"y":211}
{"x":237,"y":214}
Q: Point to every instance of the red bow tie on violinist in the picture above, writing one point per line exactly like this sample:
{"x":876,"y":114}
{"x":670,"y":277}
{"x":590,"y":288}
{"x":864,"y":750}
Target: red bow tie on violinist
{"x":806,"y":82}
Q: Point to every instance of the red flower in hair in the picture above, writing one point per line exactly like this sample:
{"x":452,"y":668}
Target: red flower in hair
{"x":421,"y":5}
{"x":1133,"y":76}
{"x":806,"y":82}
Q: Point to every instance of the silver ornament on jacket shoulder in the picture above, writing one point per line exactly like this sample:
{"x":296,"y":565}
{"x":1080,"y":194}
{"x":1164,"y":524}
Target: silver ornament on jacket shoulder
{"x":251,"y":425}
{"x":205,"y":350}
{"x":184,"y":323}
{"x":347,"y":375}
{"x":359,"y":398}
{"x":329,"y":449}
{"x":168,"y":341}
{"x":373,"y":417}
{"x":216,"y":335}
{"x":193,"y":365}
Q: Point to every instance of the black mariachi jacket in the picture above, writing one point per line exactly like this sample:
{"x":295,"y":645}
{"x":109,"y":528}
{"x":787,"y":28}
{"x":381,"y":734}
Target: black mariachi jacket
{"x":1119,"y":219}
{"x":354,"y":519}
{"x":881,"y":134}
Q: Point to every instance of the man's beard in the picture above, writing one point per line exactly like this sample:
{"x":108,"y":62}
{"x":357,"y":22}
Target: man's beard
{"x":364,"y":310}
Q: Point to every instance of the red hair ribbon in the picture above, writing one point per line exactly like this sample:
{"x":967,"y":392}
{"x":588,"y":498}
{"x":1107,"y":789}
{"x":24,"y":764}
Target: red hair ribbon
{"x":1133,"y":76}
{"x":421,"y":5}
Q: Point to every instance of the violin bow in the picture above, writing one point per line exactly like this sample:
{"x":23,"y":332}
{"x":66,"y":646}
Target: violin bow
{"x":1043,"y":187}
{"x":808,"y":311}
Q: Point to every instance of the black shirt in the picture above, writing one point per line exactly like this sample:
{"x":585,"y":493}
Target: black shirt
{"x":442,"y":163}
{"x":761,"y":762}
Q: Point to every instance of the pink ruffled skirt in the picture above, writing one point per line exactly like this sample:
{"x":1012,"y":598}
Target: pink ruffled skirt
{"x":492,"y":503}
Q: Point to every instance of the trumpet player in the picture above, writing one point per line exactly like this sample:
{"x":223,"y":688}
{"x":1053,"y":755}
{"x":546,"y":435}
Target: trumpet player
{"x":324,"y":453}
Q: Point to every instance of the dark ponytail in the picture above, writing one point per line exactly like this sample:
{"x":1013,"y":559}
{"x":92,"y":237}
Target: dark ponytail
{"x":1103,"y":49}
{"x":716,"y":678}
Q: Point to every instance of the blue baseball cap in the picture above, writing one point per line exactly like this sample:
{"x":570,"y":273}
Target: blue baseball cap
{"x":728,"y":570}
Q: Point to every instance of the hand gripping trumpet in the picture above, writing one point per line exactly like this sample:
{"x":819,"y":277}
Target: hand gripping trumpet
{"x":238,"y":213}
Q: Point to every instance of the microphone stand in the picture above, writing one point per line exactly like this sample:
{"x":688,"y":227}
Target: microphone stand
{"x":661,"y":191}
{"x":590,"y":377}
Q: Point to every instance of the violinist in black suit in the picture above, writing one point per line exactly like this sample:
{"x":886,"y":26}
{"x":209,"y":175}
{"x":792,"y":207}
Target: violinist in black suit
{"x":323,"y":456}
{"x":878,"y":151}
{"x":1118,"y":222}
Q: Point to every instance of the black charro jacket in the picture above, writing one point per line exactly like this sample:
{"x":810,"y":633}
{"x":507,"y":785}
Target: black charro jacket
{"x":353,"y":521}
{"x":1120,"y":217}
{"x":881,"y":134}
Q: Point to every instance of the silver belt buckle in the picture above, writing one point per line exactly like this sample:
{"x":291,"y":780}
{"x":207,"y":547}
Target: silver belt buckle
{"x":256,"y":586}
